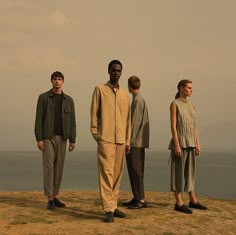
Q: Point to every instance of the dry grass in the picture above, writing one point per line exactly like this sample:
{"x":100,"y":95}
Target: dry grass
{"x":25,"y":213}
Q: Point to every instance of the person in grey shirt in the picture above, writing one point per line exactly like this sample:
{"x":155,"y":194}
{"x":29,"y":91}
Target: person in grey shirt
{"x":184,"y":147}
{"x":139,"y":141}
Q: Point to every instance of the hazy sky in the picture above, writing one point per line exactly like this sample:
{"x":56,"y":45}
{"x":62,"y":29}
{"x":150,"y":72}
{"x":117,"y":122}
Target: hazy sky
{"x":161,"y":41}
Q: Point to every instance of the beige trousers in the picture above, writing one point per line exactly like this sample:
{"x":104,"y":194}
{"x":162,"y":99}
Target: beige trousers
{"x":110,"y":170}
{"x":53,"y":164}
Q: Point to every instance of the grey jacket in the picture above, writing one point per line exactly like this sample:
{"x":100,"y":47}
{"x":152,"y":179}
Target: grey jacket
{"x":44,"y":122}
{"x":140,"y":130}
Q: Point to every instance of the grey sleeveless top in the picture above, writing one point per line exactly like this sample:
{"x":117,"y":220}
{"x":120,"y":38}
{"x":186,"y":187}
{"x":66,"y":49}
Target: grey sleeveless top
{"x":185,"y":124}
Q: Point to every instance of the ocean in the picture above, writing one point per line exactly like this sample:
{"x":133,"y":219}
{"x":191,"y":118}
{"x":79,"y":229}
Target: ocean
{"x":216,"y":172}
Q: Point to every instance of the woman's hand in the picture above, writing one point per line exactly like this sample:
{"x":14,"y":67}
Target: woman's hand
{"x":178,"y":151}
{"x":197,"y":150}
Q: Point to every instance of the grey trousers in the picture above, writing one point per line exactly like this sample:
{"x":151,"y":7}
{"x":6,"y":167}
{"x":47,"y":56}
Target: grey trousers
{"x":135,"y":165}
{"x":53,"y":164}
{"x":110,"y":170}
{"x":183,"y":170}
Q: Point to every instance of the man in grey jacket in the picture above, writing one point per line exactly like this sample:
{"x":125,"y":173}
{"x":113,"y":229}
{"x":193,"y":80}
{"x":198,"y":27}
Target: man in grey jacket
{"x":54,"y":124}
{"x":139,"y":141}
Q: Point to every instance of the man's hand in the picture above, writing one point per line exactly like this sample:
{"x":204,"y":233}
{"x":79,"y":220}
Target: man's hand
{"x":40,"y":145}
{"x":127,"y":149}
{"x":71,"y":147}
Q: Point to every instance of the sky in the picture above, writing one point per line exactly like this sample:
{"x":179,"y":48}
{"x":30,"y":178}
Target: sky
{"x":160,"y":41}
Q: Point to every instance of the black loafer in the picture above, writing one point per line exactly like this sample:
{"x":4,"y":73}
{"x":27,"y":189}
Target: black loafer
{"x":138,"y":205}
{"x":198,"y":205}
{"x":129,"y":203}
{"x":51,"y":205}
{"x":119,"y":214}
{"x":183,"y":209}
{"x":58,"y":203}
{"x":109,"y":217}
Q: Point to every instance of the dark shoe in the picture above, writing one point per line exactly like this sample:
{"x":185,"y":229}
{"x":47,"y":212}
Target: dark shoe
{"x":198,"y":205}
{"x":138,"y":205}
{"x":119,"y":214}
{"x":183,"y":209}
{"x":58,"y":203}
{"x":51,"y":205}
{"x":129,"y":203}
{"x":109,"y":217}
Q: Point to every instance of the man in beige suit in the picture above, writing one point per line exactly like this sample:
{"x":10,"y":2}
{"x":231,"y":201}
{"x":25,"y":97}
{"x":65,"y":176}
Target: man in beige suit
{"x":111,"y":128}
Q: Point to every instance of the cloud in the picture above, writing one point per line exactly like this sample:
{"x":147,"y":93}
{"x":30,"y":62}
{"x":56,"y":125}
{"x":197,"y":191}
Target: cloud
{"x":58,"y":19}
{"x":25,"y":18}
{"x":28,"y":37}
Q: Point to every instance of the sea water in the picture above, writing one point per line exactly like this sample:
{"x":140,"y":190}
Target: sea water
{"x":216,"y":172}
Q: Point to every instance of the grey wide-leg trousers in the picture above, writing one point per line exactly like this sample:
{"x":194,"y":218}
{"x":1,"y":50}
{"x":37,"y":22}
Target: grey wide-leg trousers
{"x":53,"y":164}
{"x":183,"y":170}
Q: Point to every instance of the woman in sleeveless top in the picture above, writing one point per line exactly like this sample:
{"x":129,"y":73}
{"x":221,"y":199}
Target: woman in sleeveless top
{"x":184,"y":147}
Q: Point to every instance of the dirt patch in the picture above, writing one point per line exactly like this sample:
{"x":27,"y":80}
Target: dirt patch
{"x":25,"y":213}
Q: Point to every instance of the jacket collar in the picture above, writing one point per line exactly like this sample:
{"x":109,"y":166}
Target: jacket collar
{"x":112,"y":87}
{"x":51,"y":94}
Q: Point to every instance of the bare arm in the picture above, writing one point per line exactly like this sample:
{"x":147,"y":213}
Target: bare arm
{"x":198,"y":149}
{"x":173,"y":112}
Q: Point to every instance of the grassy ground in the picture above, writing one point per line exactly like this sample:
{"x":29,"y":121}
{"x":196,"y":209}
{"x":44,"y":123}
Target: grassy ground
{"x":25,"y":213}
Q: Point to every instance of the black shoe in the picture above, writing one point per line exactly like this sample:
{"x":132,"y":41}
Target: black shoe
{"x":129,"y":203}
{"x":119,"y":214}
{"x":109,"y":217}
{"x":51,"y":205}
{"x":198,"y":205}
{"x":183,"y":209}
{"x":58,"y":203}
{"x":138,"y":205}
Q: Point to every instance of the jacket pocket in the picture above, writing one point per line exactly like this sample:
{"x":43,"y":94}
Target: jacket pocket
{"x":67,"y":110}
